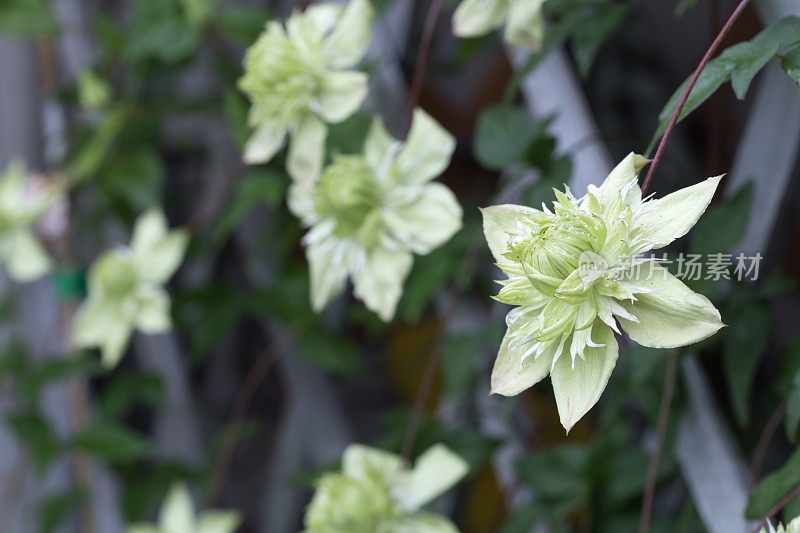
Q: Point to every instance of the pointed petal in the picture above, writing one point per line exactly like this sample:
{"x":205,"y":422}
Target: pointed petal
{"x":380,"y":283}
{"x":672,"y":315}
{"x":307,"y":150}
{"x":27,"y":259}
{"x":621,"y":181}
{"x":177,"y":513}
{"x":578,"y":389}
{"x":328,"y":273}
{"x":378,"y":145}
{"x":154,"y":311}
{"x":262,"y":146}
{"x":435,"y":472}
{"x":157,"y":252}
{"x":525,"y":25}
{"x":672,"y":217}
{"x":350,"y":37}
{"x":370,"y":464}
{"x":341,"y":94}
{"x":428,"y":221}
{"x":498,"y":222}
{"x":510,"y":374}
{"x":478,"y":17}
{"x":324,"y":15}
{"x":427,"y":151}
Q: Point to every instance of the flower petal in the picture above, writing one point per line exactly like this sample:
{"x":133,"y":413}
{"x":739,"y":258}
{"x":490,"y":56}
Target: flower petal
{"x":219,"y":522}
{"x":307,"y":150}
{"x":428,"y":221}
{"x":426,"y":152}
{"x":671,"y":217}
{"x":578,"y":389}
{"x":621,"y":181}
{"x":370,"y":464}
{"x":350,"y":37}
{"x":525,"y":25}
{"x":378,"y":146}
{"x":380,"y":283}
{"x":498,"y":222}
{"x":262,"y":146}
{"x":154,"y":311}
{"x":477,"y":17}
{"x":177,"y":512}
{"x":510,"y":374}
{"x":673,"y":315}
{"x":340,"y":95}
{"x":27,"y":259}
{"x":157,"y":252}
{"x":423,"y":522}
{"x":99,"y":322}
{"x":324,"y":15}
{"x":435,"y":472}
{"x":328,"y":267}
{"x":300,"y":200}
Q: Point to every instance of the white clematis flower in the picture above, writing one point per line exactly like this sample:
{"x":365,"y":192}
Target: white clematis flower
{"x":22,"y":206}
{"x":177,"y":516}
{"x":125,"y":289}
{"x":793,"y":527}
{"x":573,"y":272}
{"x":375,"y":493}
{"x":297,"y":79}
{"x":523,"y":19}
{"x":370,"y":213}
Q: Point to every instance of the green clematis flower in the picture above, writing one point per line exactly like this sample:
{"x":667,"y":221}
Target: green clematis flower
{"x":20,"y":208}
{"x":793,"y":527}
{"x":297,"y":80}
{"x":574,"y":271}
{"x":370,"y":213}
{"x":177,"y":516}
{"x":125,"y":289}
{"x":375,"y":493}
{"x":523,"y":19}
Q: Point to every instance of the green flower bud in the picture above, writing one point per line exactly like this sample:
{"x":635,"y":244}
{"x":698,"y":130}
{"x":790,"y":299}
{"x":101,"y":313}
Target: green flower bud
{"x":347,"y":192}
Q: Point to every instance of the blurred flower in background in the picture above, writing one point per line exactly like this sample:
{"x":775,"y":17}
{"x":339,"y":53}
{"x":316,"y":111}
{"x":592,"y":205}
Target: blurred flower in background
{"x":523,"y":19}
{"x":177,"y":516}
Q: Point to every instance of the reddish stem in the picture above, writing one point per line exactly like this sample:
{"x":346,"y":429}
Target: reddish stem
{"x":422,"y":57}
{"x":687,"y":92}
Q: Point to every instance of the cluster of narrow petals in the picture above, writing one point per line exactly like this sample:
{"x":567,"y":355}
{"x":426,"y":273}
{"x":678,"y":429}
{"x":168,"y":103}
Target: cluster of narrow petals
{"x":575,"y":274}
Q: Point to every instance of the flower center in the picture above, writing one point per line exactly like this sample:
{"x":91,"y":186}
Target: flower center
{"x":280,"y":80}
{"x":347,"y":192}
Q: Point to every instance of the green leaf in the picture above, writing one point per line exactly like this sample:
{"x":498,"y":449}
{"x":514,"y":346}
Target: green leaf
{"x":503,"y":136}
{"x":743,"y":348}
{"x":684,"y":6}
{"x":159,"y":31}
{"x":55,"y":509}
{"x":332,"y":353}
{"x":262,"y":186}
{"x":748,"y":60}
{"x":27,"y":18}
{"x":243,"y":24}
{"x":134,"y":176}
{"x":130,"y":389}
{"x":723,"y":225}
{"x":112,"y":442}
{"x":590,"y":37}
{"x":35,"y":433}
{"x":793,"y":410}
{"x":773,"y":487}
{"x":791,"y":64}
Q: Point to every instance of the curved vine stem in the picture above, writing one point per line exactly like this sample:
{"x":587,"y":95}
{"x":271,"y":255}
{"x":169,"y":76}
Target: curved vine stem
{"x":676,"y":115}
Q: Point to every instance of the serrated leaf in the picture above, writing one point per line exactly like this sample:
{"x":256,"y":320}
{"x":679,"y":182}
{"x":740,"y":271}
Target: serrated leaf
{"x":503,"y":136}
{"x":791,"y":64}
{"x":112,"y":442}
{"x":773,"y":487}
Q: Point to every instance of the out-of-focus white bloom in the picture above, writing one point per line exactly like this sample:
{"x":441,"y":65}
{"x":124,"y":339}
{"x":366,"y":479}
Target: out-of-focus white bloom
{"x":375,"y":493}
{"x":297,"y":79}
{"x":177,"y":516}
{"x":125,"y":288}
{"x":523,"y":19}
{"x":21,"y":207}
{"x":573,"y":271}
{"x":370,"y":213}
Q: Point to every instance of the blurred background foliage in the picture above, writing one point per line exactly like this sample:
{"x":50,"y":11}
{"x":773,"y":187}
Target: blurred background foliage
{"x":253,"y":394}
